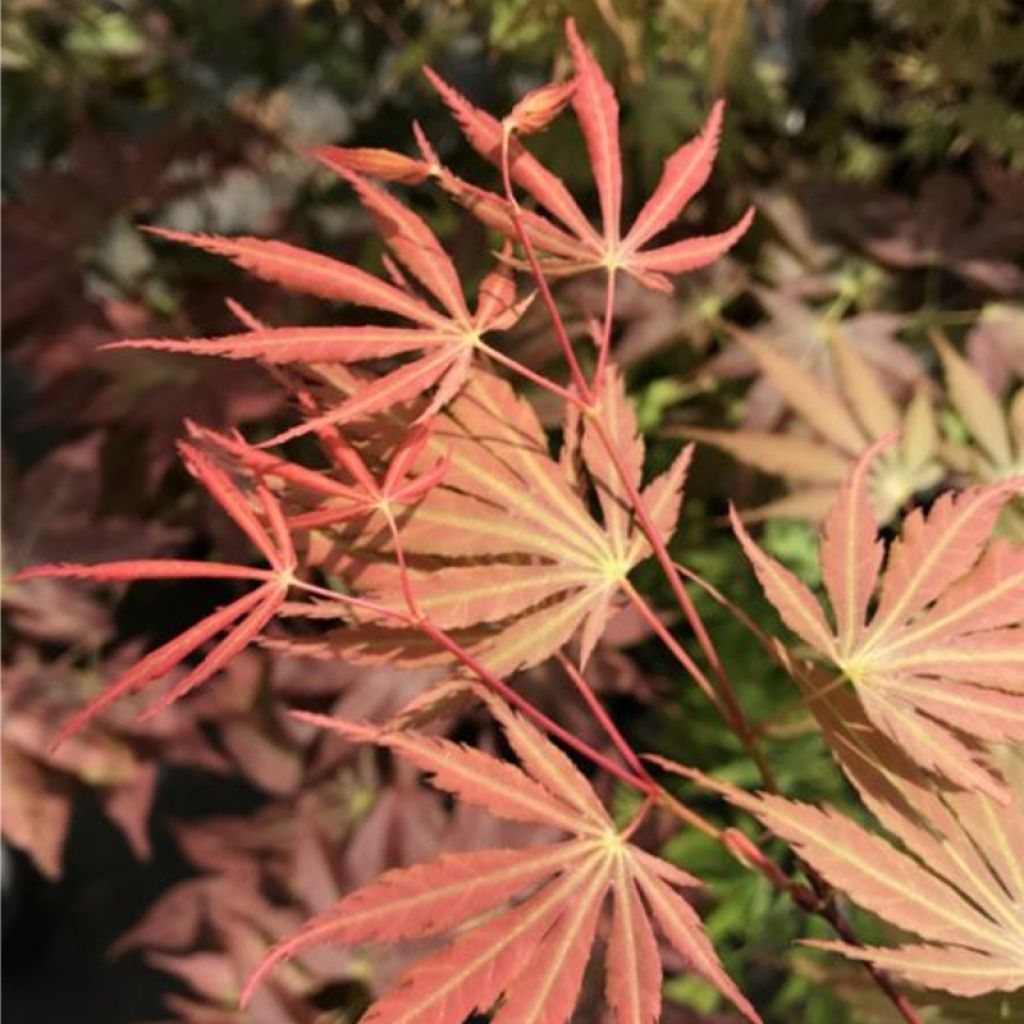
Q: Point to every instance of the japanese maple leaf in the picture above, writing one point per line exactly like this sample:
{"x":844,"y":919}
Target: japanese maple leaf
{"x":955,"y":880}
{"x":244,"y":618}
{"x":939,"y":663}
{"x":330,"y":500}
{"x":805,"y":334}
{"x":446,"y":339}
{"x":572,"y":245}
{"x":997,"y":436}
{"x":843,"y":419}
{"x":505,"y":551}
{"x":531,"y":954}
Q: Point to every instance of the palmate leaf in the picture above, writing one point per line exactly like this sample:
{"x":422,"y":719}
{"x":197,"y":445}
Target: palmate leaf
{"x":957,"y":883}
{"x":445,"y":341}
{"x":527,"y":956}
{"x":242,"y":620}
{"x":832,"y":427}
{"x":995,"y":446}
{"x":504,"y":552}
{"x":938,"y":665}
{"x":571,"y":244}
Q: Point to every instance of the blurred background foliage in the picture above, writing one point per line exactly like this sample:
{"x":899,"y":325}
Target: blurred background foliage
{"x":883,"y":141}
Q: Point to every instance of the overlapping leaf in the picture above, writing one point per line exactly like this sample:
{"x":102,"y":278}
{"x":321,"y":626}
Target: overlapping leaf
{"x":994,"y":449}
{"x":527,"y":956}
{"x":243,"y":619}
{"x":565,"y":235}
{"x":956,"y":880}
{"x":833,"y":427}
{"x":938,"y":664}
{"x":445,"y":340}
{"x":959,"y":886}
{"x":504,"y":552}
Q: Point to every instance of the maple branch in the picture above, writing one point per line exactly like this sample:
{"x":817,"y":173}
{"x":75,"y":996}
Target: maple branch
{"x":629,"y":755}
{"x":605,"y":341}
{"x":675,"y":648}
{"x":536,"y":378}
{"x":403,"y":567}
{"x":835,"y":917}
{"x":535,"y":269}
{"x":731,"y":708}
{"x":818,"y":898}
{"x":532,"y":712}
{"x":638,"y":819}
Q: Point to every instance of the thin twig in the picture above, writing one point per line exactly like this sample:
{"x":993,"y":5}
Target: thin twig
{"x":538,"y":275}
{"x":597,"y":709}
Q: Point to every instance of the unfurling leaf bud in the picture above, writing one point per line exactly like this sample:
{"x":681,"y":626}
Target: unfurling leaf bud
{"x":537,"y":109}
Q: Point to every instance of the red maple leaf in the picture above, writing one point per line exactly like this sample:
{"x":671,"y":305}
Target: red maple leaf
{"x":244,"y":618}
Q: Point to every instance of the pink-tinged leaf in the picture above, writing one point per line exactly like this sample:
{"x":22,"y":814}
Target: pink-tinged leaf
{"x":979,"y":408}
{"x":963,"y":972}
{"x":598,"y":113}
{"x":470,"y":774}
{"x":234,"y":643}
{"x":802,"y":390}
{"x":935,"y":550}
{"x":990,"y":659}
{"x":287,"y":559}
{"x":309,"y":272}
{"x":991,"y":595}
{"x":451,"y":383}
{"x":143,"y":569}
{"x":596,"y":622}
{"x":851,"y":556}
{"x":265,"y":464}
{"x":546,"y":763}
{"x":791,"y":598}
{"x":959,"y":885}
{"x":496,"y":302}
{"x":412,"y":241}
{"x":990,"y":715}
{"x":409,"y":449}
{"x":37,"y":809}
{"x":226,"y":493}
{"x":160,"y":661}
{"x":583,"y":249}
{"x":254,"y":609}
{"x":929,"y":743}
{"x":407,"y":903}
{"x":492,"y":210}
{"x":662,"y":499}
{"x":666,"y":871}
{"x":618,"y":419}
{"x":532,"y":956}
{"x":933,"y":637}
{"x":865,"y":390}
{"x":686,"y":173}
{"x":378,"y":163}
{"x":399,"y":385}
{"x":484,"y":133}
{"x":795,"y":458}
{"x":554,"y":975}
{"x":539,"y":107}
{"x":473,"y":972}
{"x":878,"y":876}
{"x":128,"y":808}
{"x":692,"y":253}
{"x":633,"y":986}
{"x":680,"y":924}
{"x":302,"y":344}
